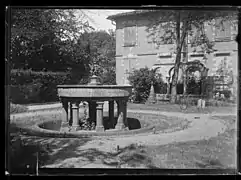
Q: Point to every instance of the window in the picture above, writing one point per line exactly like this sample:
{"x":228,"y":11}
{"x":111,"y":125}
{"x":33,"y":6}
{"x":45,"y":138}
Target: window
{"x":222,"y":31}
{"x":130,"y":36}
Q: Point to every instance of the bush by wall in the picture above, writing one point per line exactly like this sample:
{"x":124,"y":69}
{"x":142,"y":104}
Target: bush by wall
{"x":27,"y":86}
{"x":141,"y":80}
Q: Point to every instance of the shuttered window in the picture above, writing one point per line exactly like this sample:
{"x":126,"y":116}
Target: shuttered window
{"x":130,"y":36}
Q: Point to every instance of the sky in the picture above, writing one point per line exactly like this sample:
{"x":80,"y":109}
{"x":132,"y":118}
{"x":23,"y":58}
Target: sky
{"x":99,"y":18}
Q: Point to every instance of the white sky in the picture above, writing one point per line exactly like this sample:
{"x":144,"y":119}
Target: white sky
{"x":99,"y":18}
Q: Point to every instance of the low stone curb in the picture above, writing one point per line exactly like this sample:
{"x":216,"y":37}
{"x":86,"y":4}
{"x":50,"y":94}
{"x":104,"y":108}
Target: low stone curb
{"x":35,"y":130}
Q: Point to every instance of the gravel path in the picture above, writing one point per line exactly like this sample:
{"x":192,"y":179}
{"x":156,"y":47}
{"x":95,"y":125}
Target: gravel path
{"x":201,"y":128}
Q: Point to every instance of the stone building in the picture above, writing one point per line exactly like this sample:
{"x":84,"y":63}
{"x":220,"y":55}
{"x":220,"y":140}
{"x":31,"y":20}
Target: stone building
{"x":135,"y":48}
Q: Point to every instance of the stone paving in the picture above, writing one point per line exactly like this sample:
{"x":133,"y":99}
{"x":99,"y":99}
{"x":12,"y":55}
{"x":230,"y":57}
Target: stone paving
{"x":202,"y":127}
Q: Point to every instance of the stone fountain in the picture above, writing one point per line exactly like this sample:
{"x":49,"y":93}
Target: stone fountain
{"x":95,"y":94}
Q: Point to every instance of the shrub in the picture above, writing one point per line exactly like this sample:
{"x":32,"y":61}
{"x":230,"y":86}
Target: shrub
{"x":141,"y":80}
{"x":16,"y":108}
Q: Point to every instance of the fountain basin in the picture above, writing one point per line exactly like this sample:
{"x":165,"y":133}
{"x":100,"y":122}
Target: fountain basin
{"x":94,"y":91}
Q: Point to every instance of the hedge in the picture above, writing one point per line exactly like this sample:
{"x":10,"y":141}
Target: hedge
{"x":28,"y":86}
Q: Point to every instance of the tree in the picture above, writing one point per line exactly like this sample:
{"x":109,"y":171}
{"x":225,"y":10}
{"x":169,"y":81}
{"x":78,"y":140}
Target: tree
{"x":173,"y":26}
{"x":43,"y":38}
{"x":99,"y":47}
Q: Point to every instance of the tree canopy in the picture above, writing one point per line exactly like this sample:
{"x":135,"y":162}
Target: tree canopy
{"x":36,"y":32}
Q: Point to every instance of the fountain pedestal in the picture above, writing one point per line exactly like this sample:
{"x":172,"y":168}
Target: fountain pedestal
{"x":99,"y":117}
{"x":75,"y":110}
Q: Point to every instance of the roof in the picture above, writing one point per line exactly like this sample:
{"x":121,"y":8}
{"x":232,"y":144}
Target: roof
{"x":136,"y":12}
{"x":114,"y":17}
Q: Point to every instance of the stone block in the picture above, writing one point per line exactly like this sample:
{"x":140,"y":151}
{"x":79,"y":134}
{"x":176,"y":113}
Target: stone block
{"x":199,"y":103}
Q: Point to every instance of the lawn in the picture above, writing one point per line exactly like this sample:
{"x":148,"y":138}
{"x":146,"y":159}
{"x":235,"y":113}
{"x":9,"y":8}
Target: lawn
{"x":216,"y":152}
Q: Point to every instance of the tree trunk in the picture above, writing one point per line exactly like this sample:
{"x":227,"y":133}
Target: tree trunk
{"x":175,"y":78}
{"x":179,"y":43}
{"x":185,"y":60}
{"x":177,"y":62}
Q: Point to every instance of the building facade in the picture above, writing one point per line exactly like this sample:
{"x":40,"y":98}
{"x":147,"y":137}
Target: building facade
{"x":136,"y":48}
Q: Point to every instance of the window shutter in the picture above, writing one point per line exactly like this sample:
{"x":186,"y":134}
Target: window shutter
{"x":130,"y":36}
